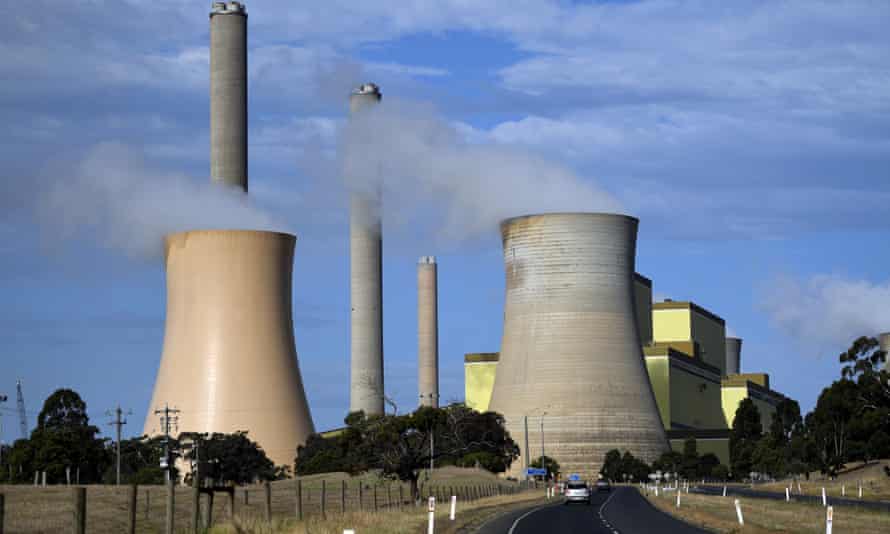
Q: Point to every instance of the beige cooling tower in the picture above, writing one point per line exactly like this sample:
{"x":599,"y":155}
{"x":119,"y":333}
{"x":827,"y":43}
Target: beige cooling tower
{"x":229,"y":360}
{"x":570,"y":359}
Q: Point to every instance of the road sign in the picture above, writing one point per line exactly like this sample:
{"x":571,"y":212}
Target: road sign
{"x":574,"y":476}
{"x":536,"y":471}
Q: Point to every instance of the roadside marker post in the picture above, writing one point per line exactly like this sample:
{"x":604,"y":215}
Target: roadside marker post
{"x":829,"y":518}
{"x":432,"y":514}
{"x":738,"y":511}
{"x":348,"y":532}
{"x":453,"y":506}
{"x":798,"y":488}
{"x":843,"y":490}
{"x":860,"y":490}
{"x":724,"y":491}
{"x":678,"y":499}
{"x":824,"y":499}
{"x":787,"y":495}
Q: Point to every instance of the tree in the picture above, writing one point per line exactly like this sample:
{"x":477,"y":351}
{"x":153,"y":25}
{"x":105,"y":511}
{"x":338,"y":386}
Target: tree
{"x":64,"y":438}
{"x":548,"y":463}
{"x":227,"y":459}
{"x":746,"y":431}
{"x":689,"y":463}
{"x":635,"y":468}
{"x":140,"y":462}
{"x":668,"y":462}
{"x":612,"y":467}
{"x":707,"y":463}
{"x":831,"y":424}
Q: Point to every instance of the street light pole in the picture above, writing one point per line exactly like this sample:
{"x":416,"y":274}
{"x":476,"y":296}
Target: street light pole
{"x":542,"y":443}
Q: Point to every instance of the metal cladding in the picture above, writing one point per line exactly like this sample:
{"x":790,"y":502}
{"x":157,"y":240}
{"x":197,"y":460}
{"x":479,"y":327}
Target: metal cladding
{"x":571,"y":360}
{"x":884,"y":340}
{"x":365,"y":287}
{"x":229,"y":361}
{"x":733,"y":356}
{"x":228,"y":94}
{"x":427,"y":332}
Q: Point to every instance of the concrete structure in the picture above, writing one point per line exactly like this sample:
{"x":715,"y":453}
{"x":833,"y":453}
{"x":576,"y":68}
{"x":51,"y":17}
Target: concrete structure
{"x":884,"y":340}
{"x":480,"y":368}
{"x":686,"y":389}
{"x":570,"y":357}
{"x":228,"y":94}
{"x":755,"y":386}
{"x":365,"y":286}
{"x":427,"y":332}
{"x":229,"y":361}
{"x":733,"y":356}
{"x":679,"y":324}
{"x":643,"y":307}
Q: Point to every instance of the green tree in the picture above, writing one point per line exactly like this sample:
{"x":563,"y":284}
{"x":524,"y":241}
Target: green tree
{"x":689,"y":463}
{"x":831,"y":424}
{"x":743,"y":437}
{"x":548,"y":463}
{"x":64,"y":438}
{"x":226,"y":459}
{"x":635,"y":468}
{"x":140,"y":462}
{"x":612,"y":468}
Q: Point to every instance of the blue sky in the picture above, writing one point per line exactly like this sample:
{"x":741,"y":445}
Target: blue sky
{"x":752,"y":139}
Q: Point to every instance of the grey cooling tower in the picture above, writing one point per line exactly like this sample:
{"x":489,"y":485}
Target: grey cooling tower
{"x":427,"y":332}
{"x":733,"y":356}
{"x":885,"y":346}
{"x":228,"y":94}
{"x":571,"y":359}
{"x":229,"y":360}
{"x":365,"y":286}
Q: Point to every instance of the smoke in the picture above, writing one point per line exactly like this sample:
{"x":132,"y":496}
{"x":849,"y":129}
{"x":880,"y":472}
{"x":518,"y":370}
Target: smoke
{"x":827,"y":309}
{"x":114,"y":197}
{"x":425,"y":167}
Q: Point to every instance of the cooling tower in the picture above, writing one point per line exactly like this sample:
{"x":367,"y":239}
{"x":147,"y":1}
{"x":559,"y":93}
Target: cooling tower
{"x":229,"y":360}
{"x":733,"y":356}
{"x":571,"y":360}
{"x":427,"y":332}
{"x":365,"y":286}
{"x":228,"y":94}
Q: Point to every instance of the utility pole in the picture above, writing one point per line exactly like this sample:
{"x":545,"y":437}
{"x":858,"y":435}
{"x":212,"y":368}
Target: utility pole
{"x":169,"y":418}
{"x":118,"y":422}
{"x":2,"y":399}
{"x":546,"y":469}
{"x":525,"y":423}
{"x":23,"y":418}
{"x":432,"y":450}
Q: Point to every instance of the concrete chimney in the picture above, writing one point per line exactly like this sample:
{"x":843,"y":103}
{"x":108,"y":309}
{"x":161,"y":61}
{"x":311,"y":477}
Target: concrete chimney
{"x":733,"y":356}
{"x":365,"y":285}
{"x":229,"y":361}
{"x":427,"y":332}
{"x":228,"y":94}
{"x":571,"y":364}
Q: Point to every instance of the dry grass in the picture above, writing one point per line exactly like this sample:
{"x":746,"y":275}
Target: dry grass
{"x":410,"y":520}
{"x":875,"y":483}
{"x":763,"y":515}
{"x":34,"y":510}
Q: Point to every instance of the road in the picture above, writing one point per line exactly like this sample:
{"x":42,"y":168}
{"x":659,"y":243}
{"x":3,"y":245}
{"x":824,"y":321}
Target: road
{"x":623,"y":510}
{"x":758,"y":494}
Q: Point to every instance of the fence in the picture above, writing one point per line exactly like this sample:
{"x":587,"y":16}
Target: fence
{"x":132,"y":509}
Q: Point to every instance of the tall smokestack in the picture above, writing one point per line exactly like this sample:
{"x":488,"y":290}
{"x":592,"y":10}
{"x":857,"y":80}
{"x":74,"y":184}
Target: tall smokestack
{"x":228,"y":94}
{"x":884,"y":339}
{"x":733,"y":356}
{"x":365,"y":285}
{"x":427,"y":332}
{"x":571,"y":364}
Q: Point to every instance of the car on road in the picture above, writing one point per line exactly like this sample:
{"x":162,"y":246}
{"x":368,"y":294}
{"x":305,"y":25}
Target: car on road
{"x":577,"y":491}
{"x":603,"y":485}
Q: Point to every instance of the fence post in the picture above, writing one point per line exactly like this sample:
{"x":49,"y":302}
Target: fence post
{"x":208,"y":512}
{"x":401,"y":496}
{"x":323,"y":516}
{"x":388,"y":496}
{"x":196,"y":508}
{"x":267,"y":488}
{"x":342,"y":496}
{"x":361,"y":495}
{"x":171,"y":510}
{"x":80,"y":510}
{"x":2,"y":511}
{"x":299,"y":500}
{"x":375,"y":497}
{"x":133,"y":491}
{"x":232,"y":503}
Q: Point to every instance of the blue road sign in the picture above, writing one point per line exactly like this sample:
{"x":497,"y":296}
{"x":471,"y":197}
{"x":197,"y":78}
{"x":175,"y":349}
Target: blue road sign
{"x":574,"y":476}
{"x":535,"y":472}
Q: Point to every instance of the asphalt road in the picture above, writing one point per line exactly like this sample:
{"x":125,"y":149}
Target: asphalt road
{"x":623,"y":510}
{"x":758,"y":494}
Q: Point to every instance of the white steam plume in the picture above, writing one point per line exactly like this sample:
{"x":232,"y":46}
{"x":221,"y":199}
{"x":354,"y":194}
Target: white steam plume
{"x":128,"y":206}
{"x":827,"y":308}
{"x":425,"y":166}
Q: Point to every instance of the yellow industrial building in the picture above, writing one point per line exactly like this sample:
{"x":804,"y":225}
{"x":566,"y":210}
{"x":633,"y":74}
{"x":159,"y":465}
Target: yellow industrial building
{"x":685,"y":347}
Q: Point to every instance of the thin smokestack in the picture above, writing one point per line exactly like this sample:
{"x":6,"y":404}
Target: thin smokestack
{"x":427,"y":332}
{"x":228,"y":94}
{"x":733,"y":356}
{"x":365,"y":285}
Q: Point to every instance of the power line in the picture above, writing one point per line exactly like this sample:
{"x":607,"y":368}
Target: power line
{"x":20,"y":401}
{"x":118,"y":422}
{"x":169,"y":418}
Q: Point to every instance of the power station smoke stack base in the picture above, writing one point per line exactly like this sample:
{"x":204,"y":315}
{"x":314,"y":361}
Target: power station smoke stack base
{"x":229,"y":361}
{"x":733,"y":356}
{"x":228,"y":94}
{"x":365,"y":286}
{"x":571,"y":360}
{"x":427,"y":332}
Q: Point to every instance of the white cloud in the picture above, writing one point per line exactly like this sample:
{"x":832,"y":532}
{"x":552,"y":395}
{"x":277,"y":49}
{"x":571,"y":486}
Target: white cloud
{"x":828,"y":309}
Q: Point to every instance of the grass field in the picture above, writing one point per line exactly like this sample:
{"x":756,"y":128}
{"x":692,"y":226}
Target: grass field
{"x":875,"y":483}
{"x":762,"y":515}
{"x":33,"y":510}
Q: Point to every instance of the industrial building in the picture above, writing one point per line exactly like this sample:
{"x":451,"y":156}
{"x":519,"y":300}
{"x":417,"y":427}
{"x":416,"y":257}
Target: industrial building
{"x":693,"y":371}
{"x":229,"y":361}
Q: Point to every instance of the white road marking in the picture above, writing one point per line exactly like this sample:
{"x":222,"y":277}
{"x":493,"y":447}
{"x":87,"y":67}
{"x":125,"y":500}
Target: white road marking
{"x":603,"y":507}
{"x":523,"y":516}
